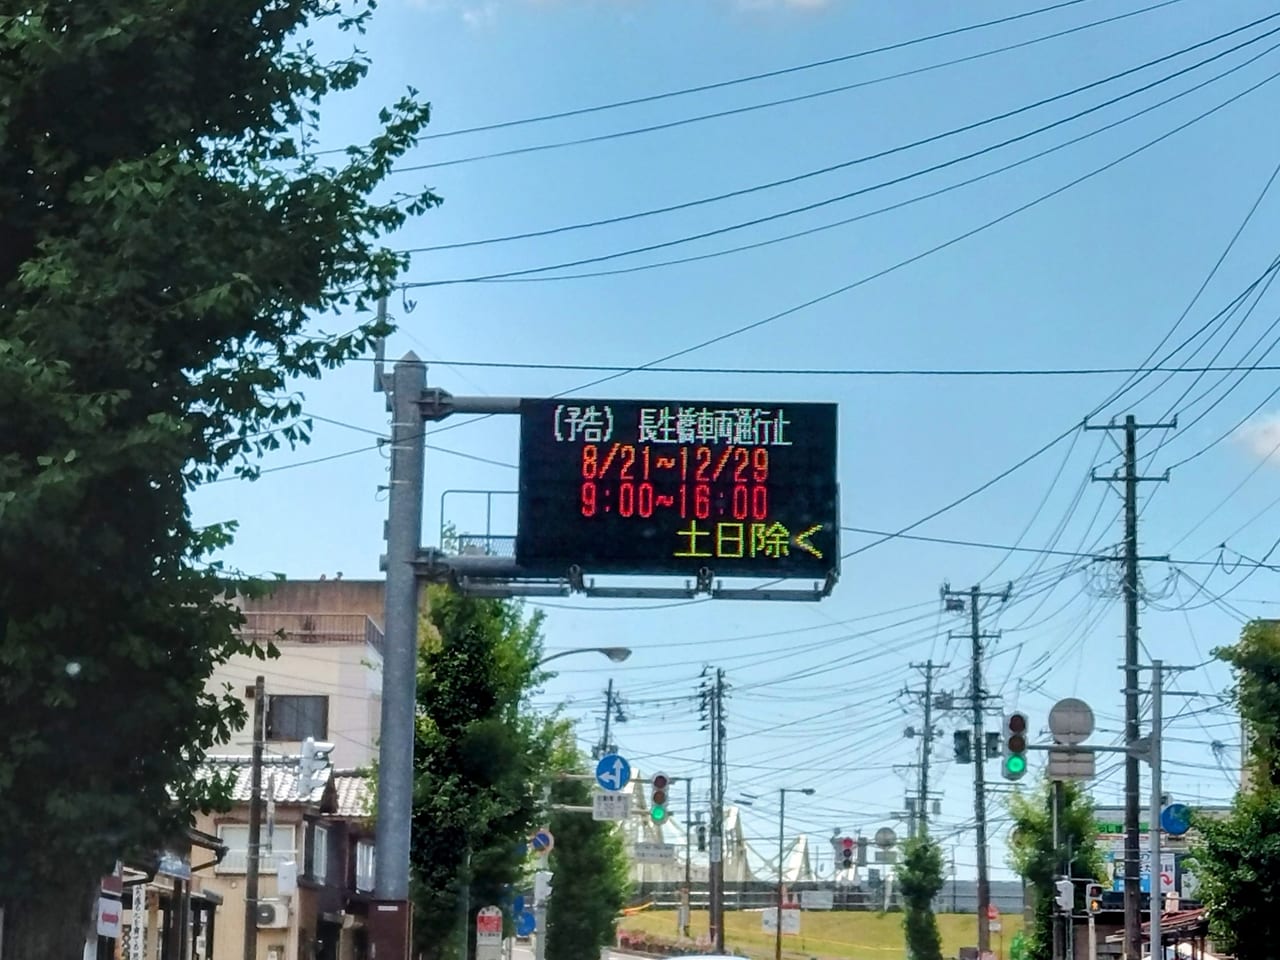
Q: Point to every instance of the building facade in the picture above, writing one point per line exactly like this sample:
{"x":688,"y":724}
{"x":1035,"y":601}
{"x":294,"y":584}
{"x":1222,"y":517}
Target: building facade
{"x":315,"y":868}
{"x":326,"y":682}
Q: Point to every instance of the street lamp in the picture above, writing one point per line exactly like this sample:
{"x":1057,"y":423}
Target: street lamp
{"x":782,"y":819}
{"x":616,"y":654}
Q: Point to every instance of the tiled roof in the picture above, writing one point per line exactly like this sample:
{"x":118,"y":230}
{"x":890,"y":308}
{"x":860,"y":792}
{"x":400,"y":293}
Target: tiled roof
{"x":279,"y":780}
{"x":355,"y":794}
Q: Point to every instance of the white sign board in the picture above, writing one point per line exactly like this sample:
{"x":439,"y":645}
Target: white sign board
{"x":647,"y":852}
{"x":610,"y":806}
{"x":1071,"y":765}
{"x":994,"y":926}
{"x":817,"y":900}
{"x":489,"y":933}
{"x":110,"y":911}
{"x":790,"y":919}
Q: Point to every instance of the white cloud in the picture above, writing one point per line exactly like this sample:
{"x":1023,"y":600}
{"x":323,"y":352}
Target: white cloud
{"x":480,"y":15}
{"x":1261,"y":436}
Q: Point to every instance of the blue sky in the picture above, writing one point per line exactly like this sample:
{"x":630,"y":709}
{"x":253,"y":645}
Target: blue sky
{"x":1093,"y":277}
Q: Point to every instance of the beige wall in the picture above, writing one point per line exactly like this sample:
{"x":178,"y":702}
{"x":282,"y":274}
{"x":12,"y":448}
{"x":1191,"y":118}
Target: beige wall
{"x":349,"y":674}
{"x":331,"y":647}
{"x":229,"y":933}
{"x":323,"y":596}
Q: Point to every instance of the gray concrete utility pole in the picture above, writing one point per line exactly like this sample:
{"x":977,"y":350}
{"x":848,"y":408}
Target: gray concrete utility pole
{"x":712,"y":692}
{"x":1153,"y":827}
{"x":609,"y":703}
{"x":978,"y":697}
{"x":254,"y":843}
{"x":930,"y":670}
{"x":400,"y":655}
{"x":1132,"y":853}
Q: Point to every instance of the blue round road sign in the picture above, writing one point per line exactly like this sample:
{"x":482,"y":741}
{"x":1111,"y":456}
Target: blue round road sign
{"x":1175,"y":819}
{"x":542,"y":841}
{"x":613,"y":772}
{"x":526,"y":923}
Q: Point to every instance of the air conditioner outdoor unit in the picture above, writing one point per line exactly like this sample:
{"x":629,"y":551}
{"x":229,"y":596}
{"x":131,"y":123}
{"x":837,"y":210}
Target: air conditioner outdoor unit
{"x":273,"y":915}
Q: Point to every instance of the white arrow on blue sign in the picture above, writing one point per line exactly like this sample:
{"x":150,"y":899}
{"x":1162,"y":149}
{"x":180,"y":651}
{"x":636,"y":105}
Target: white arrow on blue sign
{"x":613,"y":772}
{"x":526,"y":923}
{"x":1175,"y":819}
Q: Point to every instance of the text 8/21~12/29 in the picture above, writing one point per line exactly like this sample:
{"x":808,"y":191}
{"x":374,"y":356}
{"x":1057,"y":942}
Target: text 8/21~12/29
{"x":637,"y":480}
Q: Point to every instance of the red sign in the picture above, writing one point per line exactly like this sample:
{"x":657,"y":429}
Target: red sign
{"x":489,"y":921}
{"x":993,"y":912}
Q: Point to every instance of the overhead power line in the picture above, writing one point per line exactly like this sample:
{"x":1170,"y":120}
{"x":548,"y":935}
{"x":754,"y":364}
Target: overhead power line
{"x":779,"y":102}
{"x":750,"y":78}
{"x":888,"y":208}
{"x":890,"y":151}
{"x":1020,"y":372}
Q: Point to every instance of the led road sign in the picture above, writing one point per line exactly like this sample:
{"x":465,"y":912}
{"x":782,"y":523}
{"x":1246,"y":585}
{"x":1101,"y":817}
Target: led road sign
{"x":670,"y":487}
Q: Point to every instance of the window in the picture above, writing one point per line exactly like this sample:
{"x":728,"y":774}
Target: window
{"x":320,"y":853}
{"x":296,"y":717}
{"x":236,"y":837}
{"x":365,"y":862}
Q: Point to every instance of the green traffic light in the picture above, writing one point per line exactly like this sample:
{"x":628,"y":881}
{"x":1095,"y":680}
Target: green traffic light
{"x":659,"y":814}
{"x":1016,"y":764}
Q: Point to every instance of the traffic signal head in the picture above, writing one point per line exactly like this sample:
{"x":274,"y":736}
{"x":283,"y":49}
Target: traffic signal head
{"x":963,"y":746}
{"x":658,"y":798}
{"x":848,"y":850}
{"x":1015,"y":746}
{"x":1065,"y":895}
{"x":315,"y":754}
{"x":1093,"y":897}
{"x":702,"y":838}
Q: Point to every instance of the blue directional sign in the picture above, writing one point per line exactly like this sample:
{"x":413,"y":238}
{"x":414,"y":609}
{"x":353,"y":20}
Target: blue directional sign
{"x":526,"y":923}
{"x":1175,"y":819}
{"x":517,"y":905}
{"x":613,"y":772}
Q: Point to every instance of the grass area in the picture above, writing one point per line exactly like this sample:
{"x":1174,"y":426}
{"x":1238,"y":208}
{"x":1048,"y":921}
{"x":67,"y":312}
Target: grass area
{"x":839,"y":935}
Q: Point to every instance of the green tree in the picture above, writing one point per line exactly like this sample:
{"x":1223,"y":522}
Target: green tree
{"x":920,"y":879}
{"x":1038,"y":860}
{"x":590,"y":866}
{"x":166,"y":231}
{"x":1237,"y":859}
{"x":480,"y":753}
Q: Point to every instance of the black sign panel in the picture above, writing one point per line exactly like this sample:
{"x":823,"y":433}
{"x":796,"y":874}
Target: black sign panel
{"x":671,"y":487}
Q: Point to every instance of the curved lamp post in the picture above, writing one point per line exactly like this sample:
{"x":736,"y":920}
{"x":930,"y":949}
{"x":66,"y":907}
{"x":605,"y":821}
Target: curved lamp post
{"x":616,"y":654}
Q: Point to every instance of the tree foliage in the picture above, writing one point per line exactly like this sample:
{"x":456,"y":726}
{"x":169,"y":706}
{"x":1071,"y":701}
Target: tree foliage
{"x":1033,"y":854}
{"x":920,"y":879}
{"x":166,"y":232}
{"x":590,"y":867}
{"x":1237,"y":859}
{"x":480,"y":753}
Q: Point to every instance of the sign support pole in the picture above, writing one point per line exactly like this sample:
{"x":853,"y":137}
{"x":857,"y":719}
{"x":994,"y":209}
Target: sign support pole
{"x":1156,"y":883}
{"x":399,"y":670}
{"x":540,"y":932}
